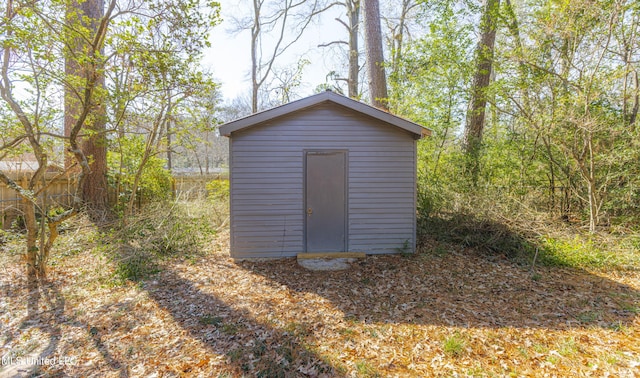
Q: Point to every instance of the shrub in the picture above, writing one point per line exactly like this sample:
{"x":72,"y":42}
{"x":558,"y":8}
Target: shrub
{"x":155,"y":182}
{"x":218,"y":190}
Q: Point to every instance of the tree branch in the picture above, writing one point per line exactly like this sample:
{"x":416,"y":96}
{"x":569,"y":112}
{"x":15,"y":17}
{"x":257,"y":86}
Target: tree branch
{"x":22,"y":192}
{"x":334,"y":43}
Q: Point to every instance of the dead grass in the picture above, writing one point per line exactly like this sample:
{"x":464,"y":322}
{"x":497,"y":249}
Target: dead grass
{"x":448,"y":311}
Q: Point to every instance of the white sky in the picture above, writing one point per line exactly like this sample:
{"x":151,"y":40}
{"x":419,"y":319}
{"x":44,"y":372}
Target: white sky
{"x":229,"y":58}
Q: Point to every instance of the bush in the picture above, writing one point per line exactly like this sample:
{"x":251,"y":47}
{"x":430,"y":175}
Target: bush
{"x":218,"y":190}
{"x":155,"y":182}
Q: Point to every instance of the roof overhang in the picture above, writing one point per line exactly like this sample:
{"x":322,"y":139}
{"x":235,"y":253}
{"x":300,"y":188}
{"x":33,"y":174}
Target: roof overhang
{"x":328,"y":96}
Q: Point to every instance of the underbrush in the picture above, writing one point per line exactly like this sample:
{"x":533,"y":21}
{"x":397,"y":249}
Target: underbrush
{"x":509,"y":228}
{"x":179,"y":229}
{"x":599,"y":250}
{"x":134,"y":248}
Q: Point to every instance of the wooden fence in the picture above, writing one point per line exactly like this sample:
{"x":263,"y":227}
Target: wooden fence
{"x":194,"y":186}
{"x":60,"y":191}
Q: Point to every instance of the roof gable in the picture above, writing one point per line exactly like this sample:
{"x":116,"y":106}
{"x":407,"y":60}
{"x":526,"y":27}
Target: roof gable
{"x":327,"y":96}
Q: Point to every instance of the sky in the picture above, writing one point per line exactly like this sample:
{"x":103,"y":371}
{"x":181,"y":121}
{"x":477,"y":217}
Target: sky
{"x":229,"y":58}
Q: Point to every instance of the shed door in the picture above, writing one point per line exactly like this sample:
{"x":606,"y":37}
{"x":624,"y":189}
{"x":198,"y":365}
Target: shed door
{"x":325,"y":180}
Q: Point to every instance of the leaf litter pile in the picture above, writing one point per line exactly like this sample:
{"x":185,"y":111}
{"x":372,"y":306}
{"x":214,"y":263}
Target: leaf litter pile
{"x":449,"y":314}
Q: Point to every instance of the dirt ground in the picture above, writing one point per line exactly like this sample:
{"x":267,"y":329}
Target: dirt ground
{"x":451,"y":313}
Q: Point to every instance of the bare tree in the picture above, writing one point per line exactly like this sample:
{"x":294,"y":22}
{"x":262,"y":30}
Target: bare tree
{"x":275,"y":26}
{"x":375,"y":55}
{"x":352,"y":25}
{"x":399,"y":29}
{"x":286,"y":80}
{"x":627,"y":34}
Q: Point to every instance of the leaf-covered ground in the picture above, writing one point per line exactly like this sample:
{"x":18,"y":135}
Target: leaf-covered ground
{"x":452,"y":313}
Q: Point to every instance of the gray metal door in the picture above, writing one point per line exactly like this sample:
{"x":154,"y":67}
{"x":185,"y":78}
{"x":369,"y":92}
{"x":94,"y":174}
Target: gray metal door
{"x":325,"y":180}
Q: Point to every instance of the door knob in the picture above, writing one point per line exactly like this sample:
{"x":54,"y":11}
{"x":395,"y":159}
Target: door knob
{"x":309,"y":211}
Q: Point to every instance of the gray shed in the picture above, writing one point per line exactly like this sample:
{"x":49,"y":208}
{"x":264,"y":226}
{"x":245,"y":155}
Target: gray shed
{"x":322,"y":174}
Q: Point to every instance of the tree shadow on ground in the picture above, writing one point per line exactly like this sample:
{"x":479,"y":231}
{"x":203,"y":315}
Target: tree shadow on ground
{"x":248,"y":346}
{"x":47,"y":313}
{"x":44,"y":304}
{"x":251,"y":347}
{"x":448,"y":283}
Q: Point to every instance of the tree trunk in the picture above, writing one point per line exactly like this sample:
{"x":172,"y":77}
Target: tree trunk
{"x":31,"y":256}
{"x":94,"y":188}
{"x":514,"y":27}
{"x":255,"y":33}
{"x":169,"y":146}
{"x":154,"y":137}
{"x":476,"y":114}
{"x":397,"y":37}
{"x":353,"y":12}
{"x":632,"y":114}
{"x":595,"y":199}
{"x":375,"y":56}
{"x":287,"y":23}
{"x":73,"y":71}
{"x":94,"y":146}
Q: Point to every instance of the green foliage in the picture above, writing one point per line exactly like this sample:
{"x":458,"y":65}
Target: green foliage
{"x":135,"y":265}
{"x":558,"y":115}
{"x":453,"y":345}
{"x":405,"y":249}
{"x":439,"y":250}
{"x":159,"y":94}
{"x":440,"y":178}
{"x":9,"y":240}
{"x":124,"y":161}
{"x":218,"y":190}
{"x":140,"y":69}
{"x":590,"y":251}
{"x":55,"y":210}
{"x":431,"y":89}
{"x":365,"y":369}
{"x":488,"y":229}
{"x":558,"y":149}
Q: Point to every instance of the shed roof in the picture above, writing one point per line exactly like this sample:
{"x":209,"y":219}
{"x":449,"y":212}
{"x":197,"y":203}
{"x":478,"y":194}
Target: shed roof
{"x":327,"y":96}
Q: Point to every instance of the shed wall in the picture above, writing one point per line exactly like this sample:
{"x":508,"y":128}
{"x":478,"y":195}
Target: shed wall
{"x":267,"y":182}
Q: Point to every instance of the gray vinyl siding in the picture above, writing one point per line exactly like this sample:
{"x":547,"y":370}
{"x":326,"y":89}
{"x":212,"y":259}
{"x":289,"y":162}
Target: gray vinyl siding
{"x":267,"y":181}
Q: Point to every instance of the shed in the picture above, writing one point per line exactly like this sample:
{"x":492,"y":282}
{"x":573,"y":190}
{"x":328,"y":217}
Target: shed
{"x":322,"y":174}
